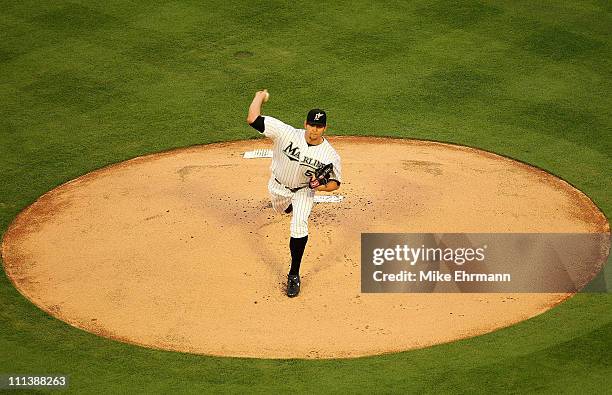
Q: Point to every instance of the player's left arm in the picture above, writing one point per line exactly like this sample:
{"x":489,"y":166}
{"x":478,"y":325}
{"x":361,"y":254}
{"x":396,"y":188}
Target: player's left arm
{"x":335,"y":178}
{"x":329,"y":187}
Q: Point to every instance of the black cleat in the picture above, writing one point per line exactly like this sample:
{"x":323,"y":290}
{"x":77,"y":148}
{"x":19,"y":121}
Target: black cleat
{"x":293,"y":285}
{"x":289,"y":209}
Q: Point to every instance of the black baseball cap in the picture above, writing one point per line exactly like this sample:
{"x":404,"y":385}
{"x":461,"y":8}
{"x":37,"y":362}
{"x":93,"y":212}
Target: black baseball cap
{"x":316,"y":117}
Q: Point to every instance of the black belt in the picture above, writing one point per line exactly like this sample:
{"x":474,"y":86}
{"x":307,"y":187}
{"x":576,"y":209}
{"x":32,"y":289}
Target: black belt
{"x":294,"y":190}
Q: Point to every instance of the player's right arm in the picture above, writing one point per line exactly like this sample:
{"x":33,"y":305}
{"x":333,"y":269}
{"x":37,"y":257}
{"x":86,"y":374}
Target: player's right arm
{"x":268,"y":126}
{"x":255,"y":107}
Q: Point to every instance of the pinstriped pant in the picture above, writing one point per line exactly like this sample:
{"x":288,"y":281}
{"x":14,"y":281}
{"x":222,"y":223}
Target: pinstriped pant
{"x":302,"y":201}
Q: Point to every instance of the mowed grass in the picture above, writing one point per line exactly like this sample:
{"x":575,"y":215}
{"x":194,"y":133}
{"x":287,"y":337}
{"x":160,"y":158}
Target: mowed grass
{"x":86,"y":84}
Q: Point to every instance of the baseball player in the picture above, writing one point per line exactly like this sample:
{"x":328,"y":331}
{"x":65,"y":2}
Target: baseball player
{"x":303,"y":162}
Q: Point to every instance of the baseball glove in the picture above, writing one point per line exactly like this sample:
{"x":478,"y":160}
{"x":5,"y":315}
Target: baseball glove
{"x":321,"y":176}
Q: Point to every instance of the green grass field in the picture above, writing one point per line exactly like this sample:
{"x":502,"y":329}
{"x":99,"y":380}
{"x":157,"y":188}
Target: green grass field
{"x":87,"y":84}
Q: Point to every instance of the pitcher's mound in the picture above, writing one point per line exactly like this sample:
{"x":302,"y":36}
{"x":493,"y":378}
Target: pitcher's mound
{"x":181,"y":250}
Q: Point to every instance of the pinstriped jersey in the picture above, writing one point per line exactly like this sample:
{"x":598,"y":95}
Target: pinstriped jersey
{"x":293,"y":160}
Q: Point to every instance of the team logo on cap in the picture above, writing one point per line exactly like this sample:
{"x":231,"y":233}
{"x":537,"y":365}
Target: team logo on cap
{"x":318,"y":116}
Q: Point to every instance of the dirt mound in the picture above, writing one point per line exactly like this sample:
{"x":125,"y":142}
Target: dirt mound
{"x":181,"y":250}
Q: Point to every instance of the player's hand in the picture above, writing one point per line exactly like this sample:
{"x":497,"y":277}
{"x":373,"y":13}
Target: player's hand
{"x":321,"y":177}
{"x":319,"y":186}
{"x":263,"y":95}
{"x":314,"y":184}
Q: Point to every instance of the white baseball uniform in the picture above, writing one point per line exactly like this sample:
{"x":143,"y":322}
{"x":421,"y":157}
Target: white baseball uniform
{"x":294,"y":161}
